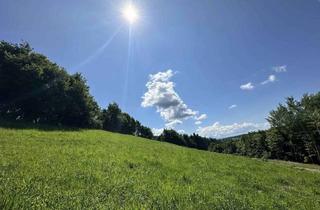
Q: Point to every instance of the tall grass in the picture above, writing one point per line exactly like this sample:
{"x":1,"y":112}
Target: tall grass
{"x":91,"y":169}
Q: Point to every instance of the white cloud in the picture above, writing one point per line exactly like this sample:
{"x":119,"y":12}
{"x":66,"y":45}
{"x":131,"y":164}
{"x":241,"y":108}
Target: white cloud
{"x":173,"y":123}
{"x":233,"y":106}
{"x":181,"y":131}
{"x":220,"y":131}
{"x":201,"y":117}
{"x":248,"y":86}
{"x":157,"y":131}
{"x":271,"y":78}
{"x":280,"y":69}
{"x":162,"y":95}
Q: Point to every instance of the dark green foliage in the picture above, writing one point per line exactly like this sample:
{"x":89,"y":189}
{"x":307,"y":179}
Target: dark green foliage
{"x":277,"y":144}
{"x":193,"y":141}
{"x":253,"y":144}
{"x":199,"y":142}
{"x":113,"y":119}
{"x":128,"y":124}
{"x":295,"y":129}
{"x":143,"y":131}
{"x":171,"y":136}
{"x":33,"y":89}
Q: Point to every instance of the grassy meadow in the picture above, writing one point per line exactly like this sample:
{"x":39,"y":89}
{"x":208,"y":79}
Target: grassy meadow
{"x":91,"y":169}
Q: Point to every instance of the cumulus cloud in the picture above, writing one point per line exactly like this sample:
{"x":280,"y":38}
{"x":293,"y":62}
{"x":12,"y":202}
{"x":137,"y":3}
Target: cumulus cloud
{"x":218,"y":130}
{"x":157,"y":131}
{"x":197,"y":122}
{"x":248,"y":86}
{"x":271,"y":78}
{"x":233,"y":106}
{"x":162,"y":95}
{"x":280,"y":69}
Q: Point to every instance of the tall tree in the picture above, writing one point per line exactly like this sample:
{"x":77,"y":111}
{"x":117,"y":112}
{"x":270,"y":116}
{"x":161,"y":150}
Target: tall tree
{"x":112,"y":118}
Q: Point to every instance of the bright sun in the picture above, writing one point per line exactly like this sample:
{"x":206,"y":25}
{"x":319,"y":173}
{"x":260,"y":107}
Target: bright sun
{"x":130,"y":13}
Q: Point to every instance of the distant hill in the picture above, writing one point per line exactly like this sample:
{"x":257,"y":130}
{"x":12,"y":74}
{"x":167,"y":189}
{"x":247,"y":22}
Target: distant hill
{"x":82,"y":169}
{"x":232,"y":138}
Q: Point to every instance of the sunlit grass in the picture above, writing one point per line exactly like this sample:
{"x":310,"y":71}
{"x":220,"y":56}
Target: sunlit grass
{"x":102,"y":170}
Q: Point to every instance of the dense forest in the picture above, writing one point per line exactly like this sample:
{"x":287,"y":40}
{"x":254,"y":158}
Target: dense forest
{"x":35,"y":90}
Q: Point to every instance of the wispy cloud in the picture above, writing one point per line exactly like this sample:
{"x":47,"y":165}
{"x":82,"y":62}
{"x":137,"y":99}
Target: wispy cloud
{"x":280,"y":69}
{"x":162,"y":95}
{"x":248,"y":86}
{"x":233,"y":106}
{"x":201,"y":117}
{"x":271,"y":78}
{"x":173,"y":123}
{"x":216,"y":130}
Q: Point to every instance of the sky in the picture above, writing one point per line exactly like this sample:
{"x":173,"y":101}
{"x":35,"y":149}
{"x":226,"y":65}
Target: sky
{"x":213,"y":67}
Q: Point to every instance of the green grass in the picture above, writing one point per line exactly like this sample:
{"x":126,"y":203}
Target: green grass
{"x":89,"y":169}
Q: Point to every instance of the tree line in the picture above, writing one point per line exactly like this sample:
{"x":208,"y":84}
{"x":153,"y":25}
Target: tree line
{"x":34,"y":89}
{"x":294,"y":134}
{"x":113,"y":119}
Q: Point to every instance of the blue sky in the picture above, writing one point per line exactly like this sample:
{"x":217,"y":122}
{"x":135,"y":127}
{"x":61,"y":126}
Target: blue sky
{"x":212,"y":47}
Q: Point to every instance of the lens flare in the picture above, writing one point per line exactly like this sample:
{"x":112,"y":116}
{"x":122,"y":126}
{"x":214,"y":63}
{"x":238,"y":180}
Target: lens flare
{"x":130,"y":13}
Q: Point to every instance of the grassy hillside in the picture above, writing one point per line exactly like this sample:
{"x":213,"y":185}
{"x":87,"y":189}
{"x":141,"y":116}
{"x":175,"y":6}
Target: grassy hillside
{"x":97,"y":169}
